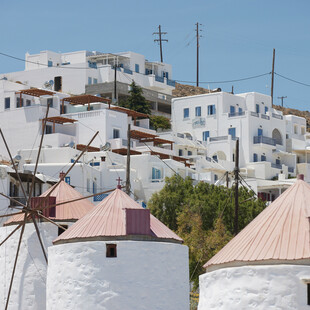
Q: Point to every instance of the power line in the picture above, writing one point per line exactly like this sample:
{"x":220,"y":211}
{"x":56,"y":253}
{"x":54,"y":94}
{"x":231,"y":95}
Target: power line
{"x":228,"y":81}
{"x":40,"y":64}
{"x":292,"y":80}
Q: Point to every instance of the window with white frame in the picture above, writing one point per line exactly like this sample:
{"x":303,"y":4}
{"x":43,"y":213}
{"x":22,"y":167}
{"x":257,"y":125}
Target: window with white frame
{"x":116,"y":133}
{"x":198,"y":111}
{"x":186,"y":113}
{"x":211,"y":109}
{"x":7,"y":103}
{"x":205,"y":135}
{"x":156,"y":173}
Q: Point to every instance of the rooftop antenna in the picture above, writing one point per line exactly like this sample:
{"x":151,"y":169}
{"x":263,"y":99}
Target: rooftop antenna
{"x":160,"y":40}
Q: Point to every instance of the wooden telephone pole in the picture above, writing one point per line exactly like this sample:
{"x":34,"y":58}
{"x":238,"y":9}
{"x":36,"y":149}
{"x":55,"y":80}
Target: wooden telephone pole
{"x":197,"y":69}
{"x":236,"y":172}
{"x":128,"y":162}
{"x":160,"y":40}
{"x":272,"y":75}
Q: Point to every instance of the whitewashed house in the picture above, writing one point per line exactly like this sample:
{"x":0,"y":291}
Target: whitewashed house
{"x":94,"y":73}
{"x":216,"y":120}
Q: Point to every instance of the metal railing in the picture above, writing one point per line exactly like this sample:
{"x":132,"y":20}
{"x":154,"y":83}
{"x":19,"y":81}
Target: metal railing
{"x":264,"y":116}
{"x":159,"y":79}
{"x":234,"y":114}
{"x":264,"y":140}
{"x":254,"y":114}
{"x":277,"y":166}
{"x":278,"y":116}
{"x":221,"y":138}
{"x":171,"y":83}
{"x":128,"y":71}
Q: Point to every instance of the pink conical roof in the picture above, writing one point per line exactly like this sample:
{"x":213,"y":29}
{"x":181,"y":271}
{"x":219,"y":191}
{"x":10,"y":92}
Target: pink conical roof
{"x":69,"y":211}
{"x":280,"y":232}
{"x":107,"y":219}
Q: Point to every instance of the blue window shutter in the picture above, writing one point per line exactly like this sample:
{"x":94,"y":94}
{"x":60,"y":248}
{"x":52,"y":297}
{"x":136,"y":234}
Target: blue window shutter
{"x":255,"y":157}
{"x":232,"y":132}
{"x":232,"y":109}
{"x":259,"y":132}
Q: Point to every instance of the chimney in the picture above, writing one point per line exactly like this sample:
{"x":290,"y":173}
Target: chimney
{"x":300,"y":177}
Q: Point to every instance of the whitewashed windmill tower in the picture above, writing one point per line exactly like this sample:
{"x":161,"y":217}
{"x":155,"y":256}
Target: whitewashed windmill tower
{"x":267,"y":265}
{"x":118,"y":257}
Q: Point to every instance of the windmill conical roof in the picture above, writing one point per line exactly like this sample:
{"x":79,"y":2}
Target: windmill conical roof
{"x":279,"y":233}
{"x":107,"y":219}
{"x":68,"y":211}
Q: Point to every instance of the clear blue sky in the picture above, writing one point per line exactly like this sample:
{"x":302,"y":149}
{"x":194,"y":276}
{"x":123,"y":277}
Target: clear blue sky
{"x":238,"y":37}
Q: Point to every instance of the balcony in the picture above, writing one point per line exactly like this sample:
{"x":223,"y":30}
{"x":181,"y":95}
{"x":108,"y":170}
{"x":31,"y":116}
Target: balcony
{"x":128,"y":71}
{"x":276,"y":166}
{"x":264,"y":116}
{"x":264,"y":140}
{"x":159,"y":79}
{"x":58,"y":139}
{"x":278,"y":116}
{"x":254,"y":114}
{"x":171,"y":83}
{"x":236,"y":114}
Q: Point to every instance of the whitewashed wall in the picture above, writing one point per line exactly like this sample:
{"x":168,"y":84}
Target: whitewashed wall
{"x":29,"y":286}
{"x":145,"y":275}
{"x":255,"y":287}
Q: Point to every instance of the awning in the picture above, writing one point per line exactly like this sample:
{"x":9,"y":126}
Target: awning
{"x":123,"y":151}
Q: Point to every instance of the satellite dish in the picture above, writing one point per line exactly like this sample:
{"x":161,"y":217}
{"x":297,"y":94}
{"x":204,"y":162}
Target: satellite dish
{"x":51,"y":82}
{"x":71,"y":144}
{"x":17,"y":157}
{"x":106,"y":147}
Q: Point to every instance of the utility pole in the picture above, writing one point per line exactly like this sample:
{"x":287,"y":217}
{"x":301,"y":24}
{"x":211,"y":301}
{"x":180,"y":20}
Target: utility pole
{"x":160,"y":40}
{"x":128,"y":162}
{"x":272,"y":75}
{"x":116,"y":65}
{"x":227,"y":179}
{"x":197,"y":69}
{"x":282,"y":97}
{"x":236,"y":172}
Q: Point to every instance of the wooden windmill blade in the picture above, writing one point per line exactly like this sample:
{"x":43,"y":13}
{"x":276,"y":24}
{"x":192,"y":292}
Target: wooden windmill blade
{"x":31,"y":212}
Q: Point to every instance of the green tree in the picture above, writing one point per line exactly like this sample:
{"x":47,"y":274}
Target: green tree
{"x":203,"y":216}
{"x":158,"y":121}
{"x":136,"y":100}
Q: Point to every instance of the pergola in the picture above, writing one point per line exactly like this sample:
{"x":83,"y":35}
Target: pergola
{"x":58,"y":120}
{"x":35,"y":92}
{"x":148,"y":137}
{"x":81,"y":147}
{"x":132,"y":113}
{"x":82,"y":100}
{"x":123,"y":151}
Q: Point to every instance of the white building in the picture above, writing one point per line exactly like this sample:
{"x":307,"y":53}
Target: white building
{"x":266,"y":266}
{"x":125,"y":258}
{"x":266,"y":137}
{"x":93,"y":73}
